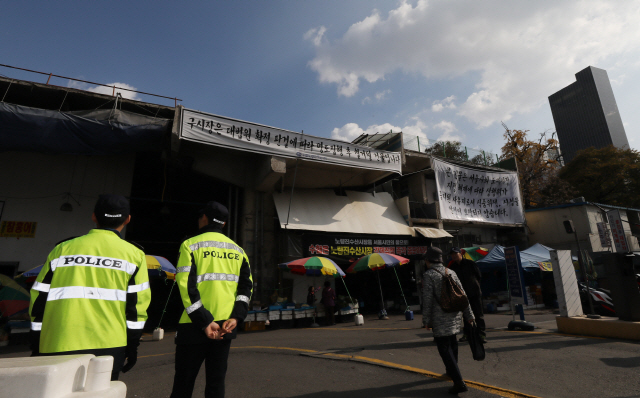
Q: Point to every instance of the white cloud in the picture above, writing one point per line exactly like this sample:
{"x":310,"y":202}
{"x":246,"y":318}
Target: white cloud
{"x":379,"y":96}
{"x":447,"y":128}
{"x":107,"y":90}
{"x":351,"y":131}
{"x":519,"y":53}
{"x":315,"y":35}
{"x":439,"y":106}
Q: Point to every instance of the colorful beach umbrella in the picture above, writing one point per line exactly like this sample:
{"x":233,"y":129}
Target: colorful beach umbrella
{"x":313,"y":266}
{"x":160,"y":266}
{"x":475,"y":253}
{"x":376,"y":261}
{"x":316,"y":266}
{"x":14,"y":298}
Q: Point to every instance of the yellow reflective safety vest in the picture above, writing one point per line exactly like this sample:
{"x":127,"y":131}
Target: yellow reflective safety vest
{"x":214,"y":278}
{"x":90,"y":293}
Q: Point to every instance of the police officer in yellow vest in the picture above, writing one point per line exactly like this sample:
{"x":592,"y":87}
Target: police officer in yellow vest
{"x":92,"y":294}
{"x":215,"y":284}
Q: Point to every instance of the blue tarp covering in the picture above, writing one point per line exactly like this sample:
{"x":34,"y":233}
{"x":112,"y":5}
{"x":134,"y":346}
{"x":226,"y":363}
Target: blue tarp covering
{"x":530,"y":259}
{"x":99,"y":132}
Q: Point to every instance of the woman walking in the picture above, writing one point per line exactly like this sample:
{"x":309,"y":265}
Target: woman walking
{"x":446,"y":325}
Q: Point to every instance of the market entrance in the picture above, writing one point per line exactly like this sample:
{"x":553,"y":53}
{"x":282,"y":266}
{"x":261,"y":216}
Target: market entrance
{"x":165,"y":199}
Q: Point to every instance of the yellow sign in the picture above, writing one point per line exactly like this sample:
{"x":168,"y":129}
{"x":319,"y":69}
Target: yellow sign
{"x":18,"y":229}
{"x":545,"y":265}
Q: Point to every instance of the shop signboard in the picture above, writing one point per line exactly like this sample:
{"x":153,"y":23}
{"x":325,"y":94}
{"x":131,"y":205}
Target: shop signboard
{"x":245,"y":136}
{"x":468,"y":194}
{"x":18,"y":229}
{"x":605,"y":241}
{"x":617,"y":230}
{"x":514,"y":275}
{"x":356,"y":246}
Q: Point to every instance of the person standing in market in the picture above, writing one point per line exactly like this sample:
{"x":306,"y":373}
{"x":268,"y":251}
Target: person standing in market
{"x":329,"y":302}
{"x":445,"y":325}
{"x":92,"y":294}
{"x":214,"y":278}
{"x":470,"y":276}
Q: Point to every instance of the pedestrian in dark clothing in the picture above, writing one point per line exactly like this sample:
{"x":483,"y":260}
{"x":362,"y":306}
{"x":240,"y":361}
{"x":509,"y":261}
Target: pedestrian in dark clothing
{"x":329,"y":301}
{"x":445,"y":324}
{"x":311,"y":296}
{"x":470,"y":276}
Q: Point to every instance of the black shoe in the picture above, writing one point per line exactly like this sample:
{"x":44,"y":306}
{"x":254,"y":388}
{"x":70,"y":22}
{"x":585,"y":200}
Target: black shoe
{"x":463,"y":339}
{"x":458,"y":388}
{"x":483,"y":339}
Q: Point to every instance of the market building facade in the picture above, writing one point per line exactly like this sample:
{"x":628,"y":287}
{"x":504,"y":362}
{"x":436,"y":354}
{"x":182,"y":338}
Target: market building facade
{"x":289,"y":194}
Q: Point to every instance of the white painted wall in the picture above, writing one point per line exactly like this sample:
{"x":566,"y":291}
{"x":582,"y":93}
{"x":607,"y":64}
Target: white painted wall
{"x":545,"y":226}
{"x":564,"y":276}
{"x":33,"y":187}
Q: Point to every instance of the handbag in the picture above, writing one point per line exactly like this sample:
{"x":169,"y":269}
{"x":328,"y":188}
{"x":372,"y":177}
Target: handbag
{"x":452,"y":297}
{"x":475,"y":342}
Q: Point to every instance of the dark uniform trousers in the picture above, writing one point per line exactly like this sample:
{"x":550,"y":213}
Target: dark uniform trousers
{"x":189,"y":358}
{"x":448,"y":350}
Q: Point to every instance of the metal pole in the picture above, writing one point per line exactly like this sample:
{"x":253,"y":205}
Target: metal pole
{"x":418,"y":138}
{"x":584,"y":276}
{"x":380,"y":286}
{"x":466,"y":153}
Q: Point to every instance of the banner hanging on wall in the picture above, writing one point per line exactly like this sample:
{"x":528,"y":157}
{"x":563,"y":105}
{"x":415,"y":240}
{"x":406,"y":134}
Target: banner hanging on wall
{"x":468,"y":194}
{"x":245,"y":136}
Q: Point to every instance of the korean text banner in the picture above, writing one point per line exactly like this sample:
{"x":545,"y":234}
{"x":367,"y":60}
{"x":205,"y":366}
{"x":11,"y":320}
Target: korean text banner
{"x":468,"y":194}
{"x":244,"y":136}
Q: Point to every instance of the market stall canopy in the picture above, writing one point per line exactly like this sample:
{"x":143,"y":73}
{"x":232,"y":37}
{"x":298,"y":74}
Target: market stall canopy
{"x":539,"y":250}
{"x":357,"y":212}
{"x":495,"y":259}
{"x":95,"y":132}
{"x":433,"y":233}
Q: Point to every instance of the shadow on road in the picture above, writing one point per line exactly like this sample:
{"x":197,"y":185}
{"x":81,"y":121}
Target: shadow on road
{"x":431,"y":388}
{"x":622,"y":362}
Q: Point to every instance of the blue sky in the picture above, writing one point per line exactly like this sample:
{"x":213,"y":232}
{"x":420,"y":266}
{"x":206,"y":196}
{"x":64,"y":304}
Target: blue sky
{"x":436,"y":69}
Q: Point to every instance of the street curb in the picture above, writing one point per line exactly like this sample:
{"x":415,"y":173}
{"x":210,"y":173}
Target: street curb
{"x":503,"y":392}
{"x":612,"y":328}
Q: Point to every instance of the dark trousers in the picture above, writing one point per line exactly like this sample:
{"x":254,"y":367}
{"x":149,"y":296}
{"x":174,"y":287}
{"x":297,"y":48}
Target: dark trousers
{"x":330,"y":315}
{"x":448,"y":350}
{"x":189,"y":358}
{"x":478,"y":313}
{"x":118,"y":354}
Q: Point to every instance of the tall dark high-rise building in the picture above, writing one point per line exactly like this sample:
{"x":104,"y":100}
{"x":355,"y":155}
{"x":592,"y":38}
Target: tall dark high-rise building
{"x":585,"y":114}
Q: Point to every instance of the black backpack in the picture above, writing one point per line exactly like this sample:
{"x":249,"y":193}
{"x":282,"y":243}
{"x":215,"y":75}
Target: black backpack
{"x":452,"y":297}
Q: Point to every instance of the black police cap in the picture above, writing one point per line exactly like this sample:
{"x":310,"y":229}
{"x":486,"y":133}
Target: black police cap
{"x":111,"y":209}
{"x":215,"y":212}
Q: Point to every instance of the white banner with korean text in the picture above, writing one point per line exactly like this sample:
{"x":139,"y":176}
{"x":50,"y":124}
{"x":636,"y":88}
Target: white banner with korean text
{"x":469,"y":194}
{"x":245,"y":136}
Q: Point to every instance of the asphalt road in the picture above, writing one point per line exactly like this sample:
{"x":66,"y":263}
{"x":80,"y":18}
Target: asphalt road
{"x":397,"y":358}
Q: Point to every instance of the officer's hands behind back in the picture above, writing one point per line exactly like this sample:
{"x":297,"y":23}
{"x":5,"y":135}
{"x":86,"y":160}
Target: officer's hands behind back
{"x":213,"y":331}
{"x":229,"y":325}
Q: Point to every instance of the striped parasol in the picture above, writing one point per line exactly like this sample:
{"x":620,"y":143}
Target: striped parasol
{"x":376,"y":261}
{"x":160,"y":266}
{"x":313,"y":266}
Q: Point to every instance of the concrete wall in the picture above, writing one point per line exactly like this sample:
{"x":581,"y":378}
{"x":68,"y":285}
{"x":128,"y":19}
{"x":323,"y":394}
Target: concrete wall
{"x":33,"y":187}
{"x":546,"y":226}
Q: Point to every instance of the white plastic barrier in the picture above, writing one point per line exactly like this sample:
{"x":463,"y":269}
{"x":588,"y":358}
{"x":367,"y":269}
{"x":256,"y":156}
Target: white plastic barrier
{"x":60,"y":376}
